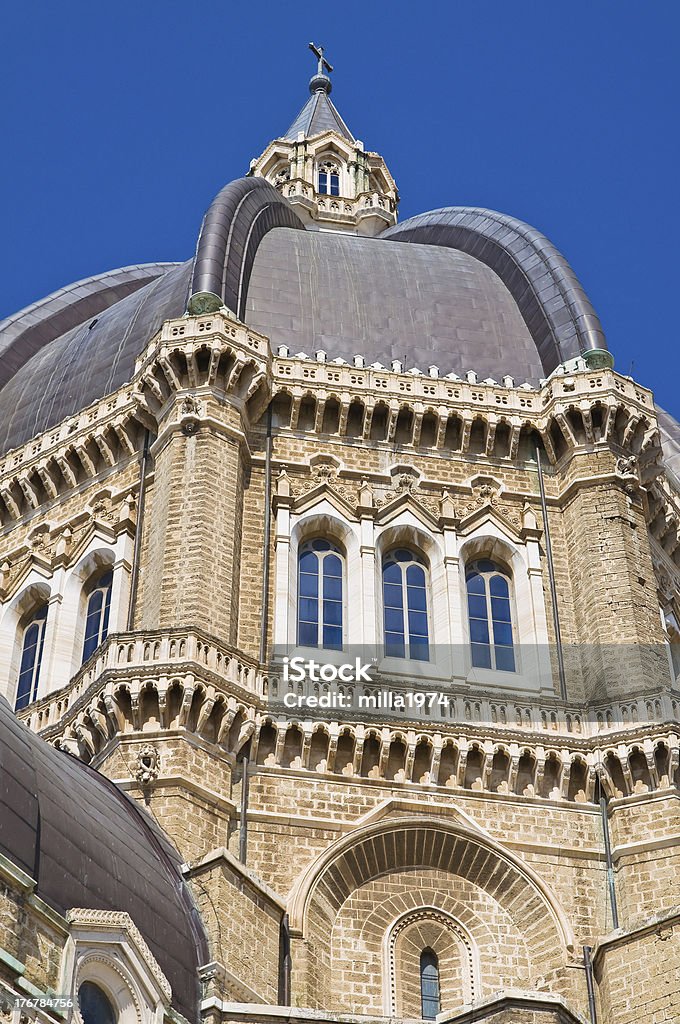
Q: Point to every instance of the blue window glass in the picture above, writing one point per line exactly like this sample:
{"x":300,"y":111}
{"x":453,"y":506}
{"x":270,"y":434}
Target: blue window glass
{"x":320,"y":595}
{"x":97,"y":618}
{"x":31,"y":659}
{"x":329,"y":179}
{"x":429,"y":984}
{"x":94,"y":1005}
{"x":405,"y":606}
{"x":490,"y":616}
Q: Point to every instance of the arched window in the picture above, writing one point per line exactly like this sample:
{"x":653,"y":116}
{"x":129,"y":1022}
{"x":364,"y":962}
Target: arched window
{"x":429,"y":984}
{"x":329,"y":179}
{"x":97,"y":618}
{"x":31,"y":658}
{"x":320,"y":595}
{"x":490,"y":616}
{"x":94,"y":1005}
{"x":405,"y":606}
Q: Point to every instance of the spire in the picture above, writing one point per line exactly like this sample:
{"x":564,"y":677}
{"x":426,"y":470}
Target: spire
{"x":319,"y":113}
{"x":323,"y":172}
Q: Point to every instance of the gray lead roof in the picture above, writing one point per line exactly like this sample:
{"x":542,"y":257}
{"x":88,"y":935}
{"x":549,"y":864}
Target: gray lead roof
{"x":318,"y":115}
{"x":87,"y":362}
{"x":461,"y":288}
{"x":387,"y":300}
{"x":27,"y":331}
{"x":555,"y":307}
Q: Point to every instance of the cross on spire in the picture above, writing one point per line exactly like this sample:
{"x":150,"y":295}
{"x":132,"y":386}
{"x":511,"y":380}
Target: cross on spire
{"x":323,"y":65}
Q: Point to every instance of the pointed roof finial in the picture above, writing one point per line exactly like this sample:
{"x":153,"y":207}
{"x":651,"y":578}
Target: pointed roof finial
{"x":320,"y":82}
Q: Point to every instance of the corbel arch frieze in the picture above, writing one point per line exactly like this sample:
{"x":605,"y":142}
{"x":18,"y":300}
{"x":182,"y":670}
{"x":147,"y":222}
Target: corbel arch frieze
{"x":84,"y":449}
{"x":236,"y":375}
{"x":469,"y":756}
{"x":567,"y":413}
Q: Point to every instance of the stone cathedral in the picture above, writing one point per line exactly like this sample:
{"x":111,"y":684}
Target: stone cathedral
{"x":339,"y":626}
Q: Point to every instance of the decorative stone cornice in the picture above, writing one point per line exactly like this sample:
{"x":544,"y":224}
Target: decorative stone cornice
{"x":81,"y":448}
{"x":664,"y":925}
{"x":194,"y":357}
{"x":424,"y":410}
{"x":210,"y":351}
{"x":478,"y":744}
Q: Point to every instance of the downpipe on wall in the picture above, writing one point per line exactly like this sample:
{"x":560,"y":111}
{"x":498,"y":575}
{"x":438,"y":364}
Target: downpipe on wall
{"x":588,"y":965}
{"x":611,"y":884}
{"x":267,"y":535}
{"x":134,"y":579}
{"x":551,"y":577}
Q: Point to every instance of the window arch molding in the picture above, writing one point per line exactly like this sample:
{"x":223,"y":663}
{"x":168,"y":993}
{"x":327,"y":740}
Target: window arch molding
{"x":103,"y":971}
{"x":80,"y":583}
{"x":279,"y":172}
{"x":332,"y":165}
{"x":322,"y":525}
{"x":530,"y":635}
{"x":454,"y":947}
{"x":106,"y":949}
{"x":35,"y":594}
{"x":412,"y":536}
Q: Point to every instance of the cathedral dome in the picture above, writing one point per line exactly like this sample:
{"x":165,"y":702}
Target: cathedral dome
{"x":89,"y":846}
{"x":463,"y":289}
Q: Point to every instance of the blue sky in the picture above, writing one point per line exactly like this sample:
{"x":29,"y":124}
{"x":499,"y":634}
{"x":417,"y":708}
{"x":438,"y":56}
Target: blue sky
{"x":121,"y":121}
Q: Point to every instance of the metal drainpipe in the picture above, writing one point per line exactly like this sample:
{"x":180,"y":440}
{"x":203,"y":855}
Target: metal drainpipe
{"x":608,"y":855}
{"x":134,"y":580}
{"x":267,"y":535}
{"x":243,"y":823}
{"x":588,"y":964}
{"x":551,"y":576}
{"x":285,"y":962}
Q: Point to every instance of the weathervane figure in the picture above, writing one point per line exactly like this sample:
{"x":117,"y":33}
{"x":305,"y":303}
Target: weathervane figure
{"x":318,"y":52}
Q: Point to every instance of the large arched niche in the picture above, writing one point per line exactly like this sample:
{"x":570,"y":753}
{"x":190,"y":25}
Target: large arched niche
{"x":428,"y":857}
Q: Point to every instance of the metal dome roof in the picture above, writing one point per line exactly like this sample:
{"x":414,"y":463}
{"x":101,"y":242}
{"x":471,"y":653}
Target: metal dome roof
{"x":81,"y":365}
{"x":460,"y":288}
{"x":29,"y":330}
{"x":387,"y":300}
{"x":88,"y":845}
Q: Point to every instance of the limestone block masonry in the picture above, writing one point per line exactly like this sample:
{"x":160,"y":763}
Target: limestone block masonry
{"x":485,"y":828}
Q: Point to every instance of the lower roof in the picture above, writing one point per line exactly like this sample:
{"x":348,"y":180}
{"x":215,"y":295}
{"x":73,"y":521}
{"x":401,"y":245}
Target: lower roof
{"x":88,"y":845}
